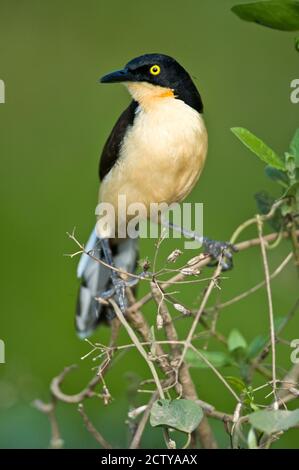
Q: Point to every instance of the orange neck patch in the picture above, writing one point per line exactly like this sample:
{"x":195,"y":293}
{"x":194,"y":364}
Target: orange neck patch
{"x":147,"y":94}
{"x":168,"y":93}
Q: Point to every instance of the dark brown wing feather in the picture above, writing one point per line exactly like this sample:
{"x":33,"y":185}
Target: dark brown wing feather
{"x":112,"y":147}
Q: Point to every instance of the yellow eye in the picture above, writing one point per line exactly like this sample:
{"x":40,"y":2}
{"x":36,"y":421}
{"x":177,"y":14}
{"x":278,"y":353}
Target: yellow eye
{"x":155,"y":70}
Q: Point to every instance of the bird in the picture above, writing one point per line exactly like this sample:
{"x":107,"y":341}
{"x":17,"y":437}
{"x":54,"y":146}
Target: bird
{"x":155,"y":153}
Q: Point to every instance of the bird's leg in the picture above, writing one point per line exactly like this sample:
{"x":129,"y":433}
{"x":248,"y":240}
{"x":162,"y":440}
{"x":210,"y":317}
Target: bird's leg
{"x":218,"y":250}
{"x":118,"y":283}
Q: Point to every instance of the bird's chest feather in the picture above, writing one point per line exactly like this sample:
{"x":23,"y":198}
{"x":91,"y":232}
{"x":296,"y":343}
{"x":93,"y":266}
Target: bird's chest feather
{"x":162,"y":154}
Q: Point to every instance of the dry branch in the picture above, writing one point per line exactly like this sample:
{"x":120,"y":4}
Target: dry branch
{"x":169,"y":355}
{"x":92,"y":430}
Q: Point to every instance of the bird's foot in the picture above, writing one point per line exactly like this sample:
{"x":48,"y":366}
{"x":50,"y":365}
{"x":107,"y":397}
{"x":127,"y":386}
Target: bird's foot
{"x":220,"y":252}
{"x":121,"y":283}
{"x":118,"y":290}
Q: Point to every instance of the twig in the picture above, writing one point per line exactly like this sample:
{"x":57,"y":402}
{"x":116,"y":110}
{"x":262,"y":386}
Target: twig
{"x":87,"y":392}
{"x":179,"y":277}
{"x":138,"y":345}
{"x":258,"y":286}
{"x":289,"y":382}
{"x":264,"y":353}
{"x":142,"y":423}
{"x":92,"y":430}
{"x":48,"y":409}
{"x":203,"y":358}
{"x":295,"y":244}
{"x":185,"y":384}
{"x":174,"y":364}
{"x":240,"y":229}
{"x":199,"y":313}
{"x":99,"y":260}
{"x":168,"y":325}
{"x":252,"y":221}
{"x":270,"y":303}
{"x":211,"y":411}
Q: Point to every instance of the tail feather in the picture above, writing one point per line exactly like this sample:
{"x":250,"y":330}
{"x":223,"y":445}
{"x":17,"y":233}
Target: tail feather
{"x":90,"y":245}
{"x":96,"y":279}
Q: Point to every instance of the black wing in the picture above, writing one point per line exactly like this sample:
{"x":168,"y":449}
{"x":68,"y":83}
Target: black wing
{"x":112,"y":147}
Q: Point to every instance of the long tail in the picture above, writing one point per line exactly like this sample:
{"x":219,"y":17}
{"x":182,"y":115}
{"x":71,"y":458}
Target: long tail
{"x":96,"y":279}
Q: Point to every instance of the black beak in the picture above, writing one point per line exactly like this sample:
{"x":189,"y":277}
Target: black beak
{"x":117,"y":77}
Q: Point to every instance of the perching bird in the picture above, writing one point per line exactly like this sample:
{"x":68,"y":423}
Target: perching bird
{"x":155,"y":153}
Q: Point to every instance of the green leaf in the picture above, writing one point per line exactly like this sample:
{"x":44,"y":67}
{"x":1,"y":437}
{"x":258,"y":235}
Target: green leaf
{"x":274,"y":420}
{"x":251,"y":439}
{"x":292,"y":190}
{"x":287,"y":208}
{"x":294,"y":147}
{"x":277,"y":175}
{"x":264,"y":202}
{"x":183,"y":415}
{"x":259,"y":342}
{"x":253,"y":406}
{"x":276,"y":14}
{"x":290,"y":165}
{"x":256,"y":345}
{"x":297,"y":44}
{"x":279,"y":322}
{"x":216,"y":358}
{"x":237,"y":383}
{"x":236,"y":341}
{"x":248,"y":398}
{"x":258,"y":147}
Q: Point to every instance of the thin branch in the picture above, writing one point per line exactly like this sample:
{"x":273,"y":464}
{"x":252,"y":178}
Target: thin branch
{"x":48,"y":409}
{"x":252,"y":221}
{"x":142,"y":423}
{"x":173,"y":364}
{"x":92,"y":430}
{"x":87,"y":392}
{"x":290,"y":381}
{"x":270,"y":303}
{"x":254,"y":289}
{"x":211,"y":411}
{"x":264,"y":353}
{"x":183,"y":381}
{"x":203,"y":358}
{"x":242,"y":246}
{"x":200,"y":312}
{"x":99,"y":260}
{"x":138,"y":345}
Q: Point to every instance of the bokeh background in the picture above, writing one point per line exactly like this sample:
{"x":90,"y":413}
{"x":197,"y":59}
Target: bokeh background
{"x":53,"y":125}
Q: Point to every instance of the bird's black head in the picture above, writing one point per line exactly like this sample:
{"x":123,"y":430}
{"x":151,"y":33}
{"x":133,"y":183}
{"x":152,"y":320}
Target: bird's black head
{"x":160,"y":70}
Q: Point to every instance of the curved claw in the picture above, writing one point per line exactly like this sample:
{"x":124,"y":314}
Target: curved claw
{"x":120,"y":293}
{"x":132,"y":282}
{"x":118,"y":290}
{"x":222,"y":251}
{"x":107,"y":294}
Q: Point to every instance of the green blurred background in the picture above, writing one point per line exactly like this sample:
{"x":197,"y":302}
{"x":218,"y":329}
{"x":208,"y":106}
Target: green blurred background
{"x":53,"y":125}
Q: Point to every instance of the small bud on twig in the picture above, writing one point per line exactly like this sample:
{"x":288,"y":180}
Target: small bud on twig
{"x":182,"y":309}
{"x":145,"y":264}
{"x":107,"y":398}
{"x":174,"y":256}
{"x":196,"y":259}
{"x":159,"y":322}
{"x":190,"y":271}
{"x":137,"y":411}
{"x":171,"y":444}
